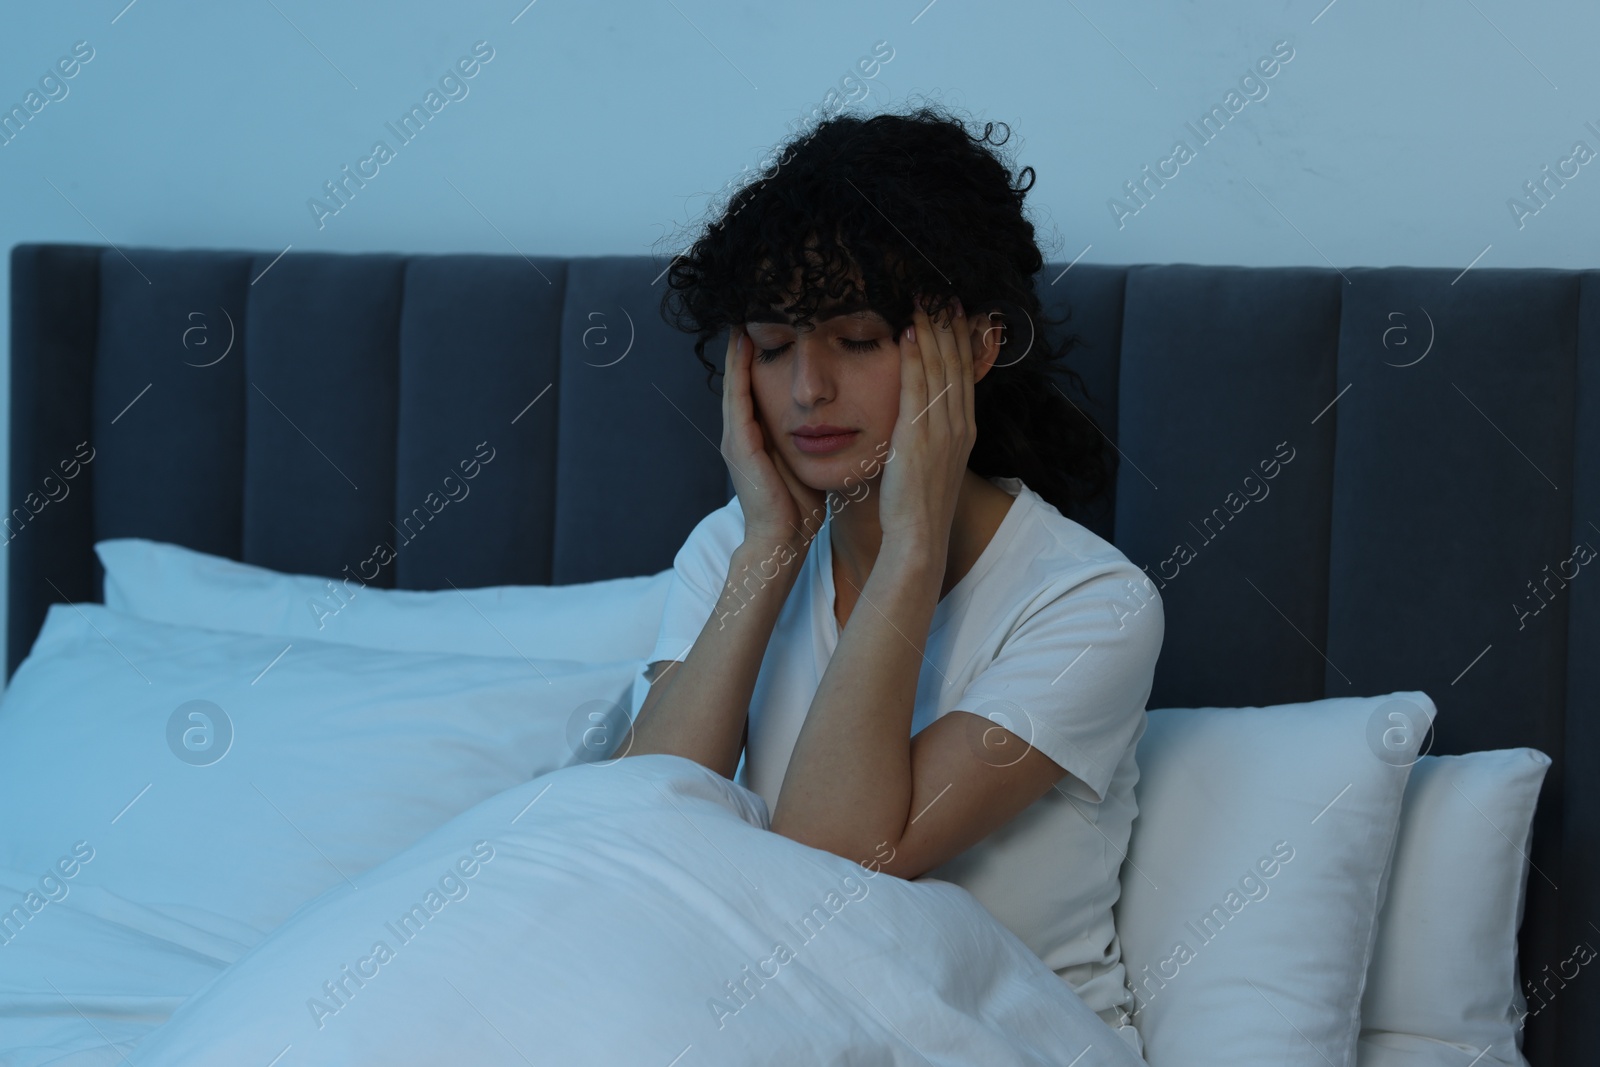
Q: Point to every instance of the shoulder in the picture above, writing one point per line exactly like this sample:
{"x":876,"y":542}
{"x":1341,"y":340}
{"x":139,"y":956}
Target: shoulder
{"x":1071,"y":631}
{"x":714,"y":536}
{"x":1071,"y":569}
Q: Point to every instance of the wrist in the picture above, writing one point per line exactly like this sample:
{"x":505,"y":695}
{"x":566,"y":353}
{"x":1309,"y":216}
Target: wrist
{"x":914,"y":553}
{"x":911,"y":560}
{"x":771,"y":560}
{"x":767,"y":539}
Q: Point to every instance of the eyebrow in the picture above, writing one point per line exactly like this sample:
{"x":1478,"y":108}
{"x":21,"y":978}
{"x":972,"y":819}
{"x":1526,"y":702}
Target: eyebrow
{"x":824,"y":313}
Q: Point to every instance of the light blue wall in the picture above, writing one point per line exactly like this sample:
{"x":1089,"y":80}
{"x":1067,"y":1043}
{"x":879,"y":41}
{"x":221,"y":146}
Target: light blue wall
{"x":1396,"y":135}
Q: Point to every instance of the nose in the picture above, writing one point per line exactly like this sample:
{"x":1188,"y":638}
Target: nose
{"x":813,"y":379}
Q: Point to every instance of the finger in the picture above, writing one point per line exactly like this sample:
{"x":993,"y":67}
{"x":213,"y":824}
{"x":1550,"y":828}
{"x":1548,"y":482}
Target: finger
{"x":729,"y":369}
{"x":961,"y":395}
{"x":948,"y":396}
{"x":913,"y":379}
{"x":738,"y":395}
{"x":941,"y":365}
{"x":735,"y":412}
{"x":939,"y":338}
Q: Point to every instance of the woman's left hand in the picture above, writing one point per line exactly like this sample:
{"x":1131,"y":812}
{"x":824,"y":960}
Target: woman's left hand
{"x":933,"y":435}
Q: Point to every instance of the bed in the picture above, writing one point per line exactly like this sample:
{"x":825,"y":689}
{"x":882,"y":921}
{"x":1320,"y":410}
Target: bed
{"x":291,"y":412}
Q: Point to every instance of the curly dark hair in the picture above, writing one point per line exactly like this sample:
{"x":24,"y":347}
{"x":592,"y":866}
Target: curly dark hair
{"x":912,"y":203}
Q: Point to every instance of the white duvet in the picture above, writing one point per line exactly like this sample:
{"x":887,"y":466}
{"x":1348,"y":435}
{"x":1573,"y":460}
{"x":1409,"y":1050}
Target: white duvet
{"x":637,"y":912}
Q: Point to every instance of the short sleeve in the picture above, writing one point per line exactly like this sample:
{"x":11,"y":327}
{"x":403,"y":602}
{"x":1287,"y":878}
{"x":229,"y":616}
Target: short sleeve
{"x":1074,"y":675}
{"x":699,"y":572}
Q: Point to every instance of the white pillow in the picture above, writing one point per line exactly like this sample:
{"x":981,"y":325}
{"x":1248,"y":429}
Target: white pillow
{"x":1255,"y":873}
{"x":594,"y":622}
{"x":321,"y":760}
{"x":1443,"y":984}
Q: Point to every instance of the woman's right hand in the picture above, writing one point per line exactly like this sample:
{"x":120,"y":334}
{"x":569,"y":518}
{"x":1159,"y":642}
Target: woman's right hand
{"x":778,"y":507}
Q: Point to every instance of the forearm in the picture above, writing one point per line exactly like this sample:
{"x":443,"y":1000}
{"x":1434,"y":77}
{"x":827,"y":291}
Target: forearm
{"x":848,"y":785}
{"x":697,"y":708}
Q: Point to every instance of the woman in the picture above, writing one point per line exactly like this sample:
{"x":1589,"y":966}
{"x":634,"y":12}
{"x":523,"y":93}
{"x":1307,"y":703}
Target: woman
{"x":892,"y":629}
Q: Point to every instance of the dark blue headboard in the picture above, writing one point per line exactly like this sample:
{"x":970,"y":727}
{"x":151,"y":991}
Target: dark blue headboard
{"x":1433,"y":438}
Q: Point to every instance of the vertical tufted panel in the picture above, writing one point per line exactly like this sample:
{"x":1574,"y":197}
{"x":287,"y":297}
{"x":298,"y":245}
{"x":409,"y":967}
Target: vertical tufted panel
{"x":1220,"y":367}
{"x":479,"y":342}
{"x":168,"y":397}
{"x":49,"y":538}
{"x":320,"y":406}
{"x":1575,"y":809}
{"x":639,"y":459}
{"x":1427,"y":562}
{"x":1089,"y":297}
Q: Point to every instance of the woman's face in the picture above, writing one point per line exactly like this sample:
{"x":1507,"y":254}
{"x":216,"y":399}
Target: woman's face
{"x":840,"y":372}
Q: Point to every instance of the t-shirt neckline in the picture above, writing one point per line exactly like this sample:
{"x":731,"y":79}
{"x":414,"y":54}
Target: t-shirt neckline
{"x":1003,"y":535}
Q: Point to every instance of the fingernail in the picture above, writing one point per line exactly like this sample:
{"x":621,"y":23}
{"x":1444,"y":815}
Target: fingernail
{"x":959,"y":312}
{"x":911,"y":333}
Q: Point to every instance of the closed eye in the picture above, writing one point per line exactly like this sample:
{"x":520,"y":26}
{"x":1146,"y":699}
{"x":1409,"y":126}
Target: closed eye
{"x":767,"y":355}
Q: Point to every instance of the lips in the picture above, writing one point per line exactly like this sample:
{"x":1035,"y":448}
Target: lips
{"x":820,"y":439}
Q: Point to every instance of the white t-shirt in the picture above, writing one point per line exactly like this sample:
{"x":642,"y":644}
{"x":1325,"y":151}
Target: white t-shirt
{"x":1052,"y":634}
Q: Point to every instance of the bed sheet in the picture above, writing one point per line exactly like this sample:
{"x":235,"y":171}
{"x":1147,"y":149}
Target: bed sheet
{"x":86,"y":974}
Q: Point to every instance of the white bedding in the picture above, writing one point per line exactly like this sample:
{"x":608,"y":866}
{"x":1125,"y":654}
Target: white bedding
{"x":88,"y":974}
{"x":596,"y":914}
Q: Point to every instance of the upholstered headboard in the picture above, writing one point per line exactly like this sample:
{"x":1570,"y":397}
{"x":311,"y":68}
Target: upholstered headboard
{"x":1434,"y":437}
